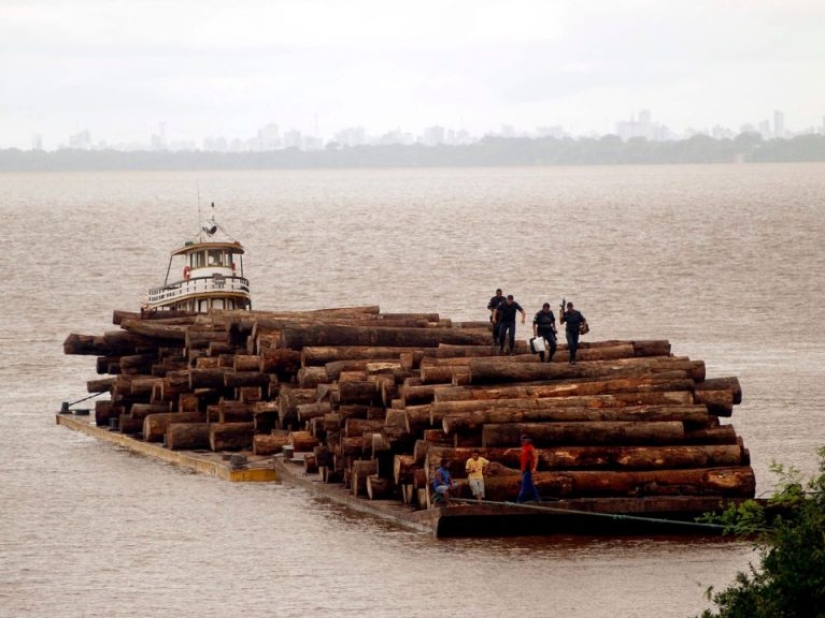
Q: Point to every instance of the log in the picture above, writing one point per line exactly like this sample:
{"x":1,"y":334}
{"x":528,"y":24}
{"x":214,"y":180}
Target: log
{"x":310,"y":377}
{"x":155,"y":425}
{"x":128,"y":425}
{"x":360,"y":471}
{"x":154,"y":329}
{"x":402,"y":469}
{"x":378,"y":488}
{"x":667,"y":381}
{"x":723,"y":384}
{"x":307,"y":411}
{"x":356,"y":393}
{"x":116,"y":343}
{"x":500,"y":370}
{"x":263,"y":444}
{"x":298,"y":336}
{"x":187,"y":436}
{"x":140,"y":411}
{"x":595,"y":457}
{"x":596,"y":402}
{"x":231,"y":436}
{"x":582,"y":434}
{"x":239,"y":379}
{"x":318,"y":356}
{"x":472,"y":422}
{"x":728,"y":482}
{"x":354,"y":427}
{"x":280,"y":360}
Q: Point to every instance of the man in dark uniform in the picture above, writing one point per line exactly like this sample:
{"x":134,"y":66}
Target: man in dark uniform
{"x":505,"y":314}
{"x":573,"y":320}
{"x":544,"y":326}
{"x":495,"y":301}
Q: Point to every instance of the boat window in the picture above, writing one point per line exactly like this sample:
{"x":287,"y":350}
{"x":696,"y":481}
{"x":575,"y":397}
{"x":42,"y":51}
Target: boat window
{"x":216,"y":257}
{"x":198,"y":259}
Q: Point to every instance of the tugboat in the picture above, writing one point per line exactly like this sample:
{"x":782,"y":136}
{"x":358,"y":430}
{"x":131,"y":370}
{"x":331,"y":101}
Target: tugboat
{"x":210,"y":271}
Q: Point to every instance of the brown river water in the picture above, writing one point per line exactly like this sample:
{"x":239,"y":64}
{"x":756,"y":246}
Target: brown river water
{"x":726,"y":262}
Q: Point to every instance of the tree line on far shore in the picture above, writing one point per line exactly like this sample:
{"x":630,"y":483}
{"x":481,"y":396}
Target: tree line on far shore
{"x":490,"y":151}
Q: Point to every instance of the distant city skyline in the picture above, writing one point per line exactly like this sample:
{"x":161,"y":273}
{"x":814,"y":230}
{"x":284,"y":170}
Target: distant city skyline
{"x":272,"y":137}
{"x":188,"y":71}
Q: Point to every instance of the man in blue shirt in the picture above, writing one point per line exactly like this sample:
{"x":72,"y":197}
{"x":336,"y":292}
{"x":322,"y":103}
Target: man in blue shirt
{"x":506,"y":314}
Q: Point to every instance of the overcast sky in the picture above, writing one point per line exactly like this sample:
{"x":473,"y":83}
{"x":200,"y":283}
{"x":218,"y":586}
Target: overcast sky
{"x":227,"y":68}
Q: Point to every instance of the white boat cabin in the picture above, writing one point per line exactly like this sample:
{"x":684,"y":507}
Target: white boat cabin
{"x":204,"y":274}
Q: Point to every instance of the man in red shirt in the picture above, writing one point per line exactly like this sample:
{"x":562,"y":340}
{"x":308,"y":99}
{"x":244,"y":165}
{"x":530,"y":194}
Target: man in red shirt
{"x":529,"y":463}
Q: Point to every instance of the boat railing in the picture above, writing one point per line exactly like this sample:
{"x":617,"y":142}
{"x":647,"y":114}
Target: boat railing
{"x":199,"y":285}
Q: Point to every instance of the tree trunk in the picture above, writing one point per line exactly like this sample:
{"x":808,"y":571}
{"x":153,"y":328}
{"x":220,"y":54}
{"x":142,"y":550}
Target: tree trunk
{"x":263,"y":444}
{"x":472,"y":422}
{"x":298,"y":336}
{"x":154,"y":425}
{"x":728,"y":482}
{"x":500,"y":370}
{"x":581,"y":434}
{"x":187,"y":436}
{"x":596,"y":457}
{"x":378,"y":488}
{"x":231,"y":436}
{"x":360,"y":471}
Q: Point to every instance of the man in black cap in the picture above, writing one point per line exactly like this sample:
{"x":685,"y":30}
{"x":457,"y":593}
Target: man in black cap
{"x":506,"y":314}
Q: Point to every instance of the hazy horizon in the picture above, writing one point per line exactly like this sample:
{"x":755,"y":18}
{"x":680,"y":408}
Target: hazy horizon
{"x":208,"y":69}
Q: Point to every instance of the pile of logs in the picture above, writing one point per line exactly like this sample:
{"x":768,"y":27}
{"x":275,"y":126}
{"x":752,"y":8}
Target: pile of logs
{"x":376,"y":400}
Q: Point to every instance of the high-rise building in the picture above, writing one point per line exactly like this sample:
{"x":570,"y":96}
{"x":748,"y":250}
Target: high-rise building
{"x":778,"y":124}
{"x":81,"y":140}
{"x":37,"y":142}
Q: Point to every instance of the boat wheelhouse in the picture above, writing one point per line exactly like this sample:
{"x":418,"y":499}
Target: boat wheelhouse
{"x":206,"y":273}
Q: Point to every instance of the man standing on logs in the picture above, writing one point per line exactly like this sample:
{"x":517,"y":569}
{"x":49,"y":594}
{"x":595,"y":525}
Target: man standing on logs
{"x":475,"y":474}
{"x":544,"y":326}
{"x":529,"y":463}
{"x":495,"y":301}
{"x":573,"y":320}
{"x":505,"y":313}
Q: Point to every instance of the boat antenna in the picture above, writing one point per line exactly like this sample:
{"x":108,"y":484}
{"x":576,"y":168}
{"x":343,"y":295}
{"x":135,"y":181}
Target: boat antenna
{"x":198,"y":187}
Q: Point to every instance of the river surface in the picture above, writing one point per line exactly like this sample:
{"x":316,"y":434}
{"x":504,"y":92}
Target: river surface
{"x":726,"y":262}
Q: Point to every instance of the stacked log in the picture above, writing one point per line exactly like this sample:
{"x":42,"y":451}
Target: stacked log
{"x":376,"y":401}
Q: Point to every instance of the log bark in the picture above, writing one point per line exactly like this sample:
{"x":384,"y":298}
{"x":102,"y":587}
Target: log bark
{"x":187,"y":436}
{"x":298,"y":336}
{"x":500,"y":370}
{"x":321,"y":355}
{"x":263,"y":444}
{"x":155,"y":425}
{"x":594,"y":457}
{"x":472,"y":422}
{"x":378,"y":488}
{"x":667,"y":381}
{"x":231,"y":436}
{"x":360,"y":471}
{"x":140,"y":411}
{"x":728,"y":482}
{"x":582,"y":434}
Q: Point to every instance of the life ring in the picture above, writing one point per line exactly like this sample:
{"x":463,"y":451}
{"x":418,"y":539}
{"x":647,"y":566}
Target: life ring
{"x":186,"y":272}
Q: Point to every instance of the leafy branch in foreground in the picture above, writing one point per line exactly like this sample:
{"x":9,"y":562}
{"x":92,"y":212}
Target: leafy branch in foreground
{"x":789,"y":536}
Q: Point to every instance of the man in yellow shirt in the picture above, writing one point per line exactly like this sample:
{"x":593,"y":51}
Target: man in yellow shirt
{"x":475,"y":474}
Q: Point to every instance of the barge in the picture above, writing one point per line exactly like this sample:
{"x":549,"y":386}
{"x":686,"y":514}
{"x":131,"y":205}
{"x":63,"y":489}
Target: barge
{"x":362,"y":407}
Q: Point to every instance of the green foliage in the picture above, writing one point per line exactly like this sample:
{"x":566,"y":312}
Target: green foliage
{"x":789,"y":534}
